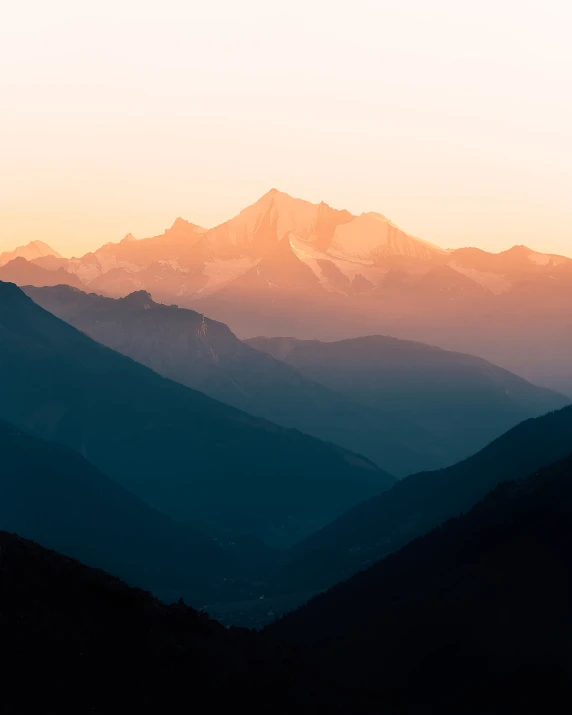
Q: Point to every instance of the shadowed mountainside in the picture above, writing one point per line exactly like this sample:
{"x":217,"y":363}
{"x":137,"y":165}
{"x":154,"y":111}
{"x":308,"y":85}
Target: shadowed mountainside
{"x":80,"y":641}
{"x":464,"y":402}
{"x":419,"y":503}
{"x":52,"y":495}
{"x":475,"y":617}
{"x":190,"y":456}
{"x":426,"y":410}
{"x":284,"y":266}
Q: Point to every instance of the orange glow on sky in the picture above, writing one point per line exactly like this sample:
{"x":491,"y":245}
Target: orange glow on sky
{"x":451,"y":118}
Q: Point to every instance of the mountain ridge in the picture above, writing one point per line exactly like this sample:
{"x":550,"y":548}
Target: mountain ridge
{"x":184,"y":453}
{"x":379,"y":526}
{"x":287,"y":266}
{"x":399,"y":431}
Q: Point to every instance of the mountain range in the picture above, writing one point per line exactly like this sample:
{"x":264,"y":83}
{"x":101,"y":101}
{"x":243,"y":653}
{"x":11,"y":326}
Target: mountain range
{"x":284,"y":266}
{"x":379,"y":526}
{"x":474,"y":617}
{"x":79,"y":641}
{"x":52,"y":495}
{"x":406,"y":406}
{"x":463,"y":402}
{"x":184,"y":453}
{"x":30,"y":252}
{"x":446,"y":591}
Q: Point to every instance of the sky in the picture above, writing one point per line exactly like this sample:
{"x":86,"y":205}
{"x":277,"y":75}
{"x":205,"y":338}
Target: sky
{"x":452,"y":117}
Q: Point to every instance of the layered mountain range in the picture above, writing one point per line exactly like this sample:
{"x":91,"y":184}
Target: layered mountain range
{"x":407,"y":406}
{"x":474,"y":617}
{"x":193,"y":457}
{"x":284,"y":266}
{"x":51,"y":494}
{"x":145,"y":438}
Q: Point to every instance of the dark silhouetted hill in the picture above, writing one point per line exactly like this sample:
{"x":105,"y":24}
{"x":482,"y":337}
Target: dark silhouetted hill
{"x":75,"y":640}
{"x":475,"y":617}
{"x":204,"y":354}
{"x":52,"y":495}
{"x":421,"y":502}
{"x":184,"y":453}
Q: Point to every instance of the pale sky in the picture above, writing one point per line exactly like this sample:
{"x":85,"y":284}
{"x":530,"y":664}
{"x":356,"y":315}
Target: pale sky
{"x":451,"y":117}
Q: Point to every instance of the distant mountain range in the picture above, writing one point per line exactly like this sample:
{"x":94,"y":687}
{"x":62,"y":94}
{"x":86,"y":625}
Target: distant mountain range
{"x":30,"y":252}
{"x":284,"y":266}
{"x":407,"y":406}
{"x":23,"y":272}
{"x":462,"y":401}
{"x":184,"y":453}
{"x":145,"y":438}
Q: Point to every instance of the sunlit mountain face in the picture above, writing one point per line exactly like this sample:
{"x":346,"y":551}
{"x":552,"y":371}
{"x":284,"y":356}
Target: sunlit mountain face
{"x":284,"y":266}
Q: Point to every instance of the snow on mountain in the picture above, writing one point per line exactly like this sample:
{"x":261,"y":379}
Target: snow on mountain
{"x":372,"y":237}
{"x":259,"y":227}
{"x":332,"y":271}
{"x":281,"y":242}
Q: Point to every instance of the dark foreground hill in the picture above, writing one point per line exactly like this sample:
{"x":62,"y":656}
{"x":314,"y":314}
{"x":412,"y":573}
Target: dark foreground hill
{"x":75,"y":640}
{"x":184,"y":453}
{"x":421,"y":502}
{"x":475,"y":617}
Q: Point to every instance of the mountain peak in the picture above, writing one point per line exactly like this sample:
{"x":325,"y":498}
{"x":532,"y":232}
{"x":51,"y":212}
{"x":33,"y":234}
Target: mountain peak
{"x":180,"y":223}
{"x":34,"y":249}
{"x":182,"y":227}
{"x":139,"y":299}
{"x":518,"y":250}
{"x":128,"y":238}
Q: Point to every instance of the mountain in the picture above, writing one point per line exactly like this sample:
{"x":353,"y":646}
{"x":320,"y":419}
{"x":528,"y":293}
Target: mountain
{"x":34,"y":249}
{"x":463,"y":401}
{"x":407,"y":406}
{"x":184,"y":453}
{"x":52,"y":495}
{"x":421,"y":502}
{"x":190,"y":263}
{"x":203,"y":354}
{"x":77,"y":640}
{"x":475,"y":617}
{"x":23,"y":272}
{"x":284,"y":266}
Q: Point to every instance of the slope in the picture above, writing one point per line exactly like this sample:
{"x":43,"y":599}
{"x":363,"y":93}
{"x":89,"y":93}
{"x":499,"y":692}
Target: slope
{"x":31,"y":251}
{"x":23,"y":272}
{"x":463,"y":401}
{"x":204,"y":354}
{"x":52,"y":495}
{"x":419,"y":503}
{"x":78,"y":641}
{"x":474,"y":617}
{"x":184,"y":453}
